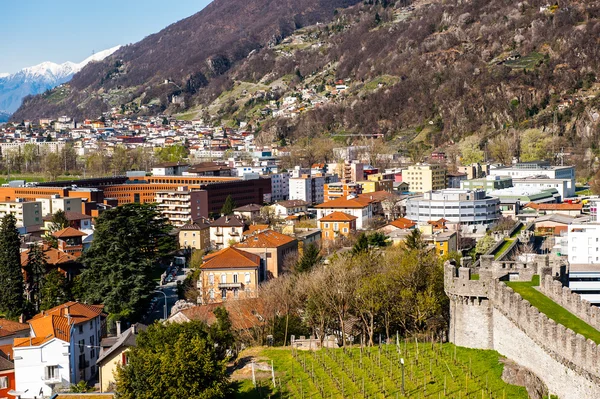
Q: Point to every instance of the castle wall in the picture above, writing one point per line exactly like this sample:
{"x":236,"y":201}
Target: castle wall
{"x":510,"y":341}
{"x":571,"y":301}
{"x":471,"y":325}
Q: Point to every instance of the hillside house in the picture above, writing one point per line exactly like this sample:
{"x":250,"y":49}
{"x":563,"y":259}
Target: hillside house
{"x":273,"y":248}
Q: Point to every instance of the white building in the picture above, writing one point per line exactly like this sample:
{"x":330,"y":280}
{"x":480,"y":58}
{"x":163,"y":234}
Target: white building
{"x":527,"y":170}
{"x":310,"y":188}
{"x":62,"y":349}
{"x":361,"y":208}
{"x":280,"y":186}
{"x":584,"y":243}
{"x":565,"y":187}
{"x":57,"y":203}
{"x":27,"y":213}
{"x":464,"y":207}
{"x":225,"y":231}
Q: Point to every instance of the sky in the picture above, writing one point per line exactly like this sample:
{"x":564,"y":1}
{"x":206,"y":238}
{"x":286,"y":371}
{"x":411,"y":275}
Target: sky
{"x":34,"y":31}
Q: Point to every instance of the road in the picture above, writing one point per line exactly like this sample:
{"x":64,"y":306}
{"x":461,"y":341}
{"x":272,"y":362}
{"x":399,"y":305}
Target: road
{"x":170,"y":290}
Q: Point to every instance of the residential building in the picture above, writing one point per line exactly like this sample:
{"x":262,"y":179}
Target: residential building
{"x":230,"y":274}
{"x":454,"y":180}
{"x":361,"y":208}
{"x":182,"y":206}
{"x":443,"y":242}
{"x":248,"y":212}
{"x":280,"y":186}
{"x":62,"y":349}
{"x":461,"y":207}
{"x":424,"y":177}
{"x":28,"y":214}
{"x":77,"y":220}
{"x":7,"y":375}
{"x":57,"y":203}
{"x":114,"y":354}
{"x":398,"y":224}
{"x":195,"y":235}
{"x":336,"y":224}
{"x":488,"y":183}
{"x":310,"y":188}
{"x":226,"y":230}
{"x":9,"y":330}
{"x":341,"y":190}
{"x":169,"y":169}
{"x":273,"y":248}
{"x":70,"y":241}
{"x":553,"y":209}
{"x":475,"y":171}
{"x":67,"y":264}
{"x":371,"y":186}
{"x":347,"y":171}
{"x":291,"y":207}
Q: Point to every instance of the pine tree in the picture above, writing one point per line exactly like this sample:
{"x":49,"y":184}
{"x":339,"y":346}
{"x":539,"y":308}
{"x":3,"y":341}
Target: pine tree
{"x":59,"y":221}
{"x":119,"y":266}
{"x":228,"y":206}
{"x":362,"y":245}
{"x":414,"y":240}
{"x":310,"y":258}
{"x":35,"y":269}
{"x":11,"y":276}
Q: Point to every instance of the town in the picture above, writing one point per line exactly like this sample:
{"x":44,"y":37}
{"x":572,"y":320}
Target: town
{"x":234,"y":219}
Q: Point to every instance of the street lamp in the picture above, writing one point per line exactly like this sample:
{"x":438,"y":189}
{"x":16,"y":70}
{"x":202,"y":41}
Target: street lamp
{"x":402,"y":364}
{"x":165,"y":306}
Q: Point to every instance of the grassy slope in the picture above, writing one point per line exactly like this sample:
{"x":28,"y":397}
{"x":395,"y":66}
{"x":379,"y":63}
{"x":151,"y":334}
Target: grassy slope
{"x":553,"y":310}
{"x":441,"y":371}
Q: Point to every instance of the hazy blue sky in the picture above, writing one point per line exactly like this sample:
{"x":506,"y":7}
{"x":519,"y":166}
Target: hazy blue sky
{"x":34,"y":31}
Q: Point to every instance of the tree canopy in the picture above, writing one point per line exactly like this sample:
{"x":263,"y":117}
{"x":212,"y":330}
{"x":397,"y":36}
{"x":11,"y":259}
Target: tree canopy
{"x":228,"y":206}
{"x":11,"y":276}
{"x":309,"y":259}
{"x":176,"y":361}
{"x":119,"y":265}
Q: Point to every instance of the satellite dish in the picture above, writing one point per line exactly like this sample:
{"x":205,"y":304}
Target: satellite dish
{"x":17,"y":394}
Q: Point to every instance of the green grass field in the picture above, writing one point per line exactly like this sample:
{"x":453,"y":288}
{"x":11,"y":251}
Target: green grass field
{"x":430,"y":371}
{"x":503,"y":247}
{"x":553,"y":310}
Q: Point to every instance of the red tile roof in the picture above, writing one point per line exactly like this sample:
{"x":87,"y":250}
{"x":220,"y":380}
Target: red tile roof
{"x":230,"y":258}
{"x":255,"y":228}
{"x":68,"y":233}
{"x":8,"y":327}
{"x":228,"y":221}
{"x":338,"y":217}
{"x":266,"y":239}
{"x":77,"y":311}
{"x":344,"y":203}
{"x":243,"y":313}
{"x":403,"y":223}
{"x":53,"y":256}
{"x":555,"y":207}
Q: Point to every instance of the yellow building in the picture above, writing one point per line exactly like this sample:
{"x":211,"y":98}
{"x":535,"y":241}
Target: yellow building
{"x":337,"y":224}
{"x":373,"y":185}
{"x":195,"y":235}
{"x":114,"y":353}
{"x":424,"y":177}
{"x":228,"y":275}
{"x":444,"y":243}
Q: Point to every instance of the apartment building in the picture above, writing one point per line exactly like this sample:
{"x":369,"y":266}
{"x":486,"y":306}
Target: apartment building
{"x":62,"y":349}
{"x":337,"y":224}
{"x":274,"y":248}
{"x":280,"y":186}
{"x":341,"y":190}
{"x":361,"y":208}
{"x":57,"y":203}
{"x":228,"y":275}
{"x":195,"y":235}
{"x":182,"y":205}
{"x":425,"y":177}
{"x":310,"y":188}
{"x":225,"y":231}
{"x":27,"y":213}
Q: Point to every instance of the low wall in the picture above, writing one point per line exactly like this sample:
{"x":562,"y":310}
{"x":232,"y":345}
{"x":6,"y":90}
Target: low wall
{"x":571,"y":301}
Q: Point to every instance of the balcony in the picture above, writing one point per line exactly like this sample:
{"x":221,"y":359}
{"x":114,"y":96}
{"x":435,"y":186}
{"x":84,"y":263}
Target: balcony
{"x":230,"y":286}
{"x":51,"y":380}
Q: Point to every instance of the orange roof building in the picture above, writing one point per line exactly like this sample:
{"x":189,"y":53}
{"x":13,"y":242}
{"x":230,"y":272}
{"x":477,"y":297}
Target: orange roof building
{"x":359,"y":207}
{"x":230,"y":274}
{"x":62,"y":349}
{"x":337,"y":224}
{"x":275,"y":249}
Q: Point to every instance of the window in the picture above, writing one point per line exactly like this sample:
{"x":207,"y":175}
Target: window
{"x":326,"y":225}
{"x":235,"y":293}
{"x":3,"y":382}
{"x":224,"y":294}
{"x":247,"y":278}
{"x":80,"y":327}
{"x":211,"y":293}
{"x":51,"y":372}
{"x":211,"y":279}
{"x":223,"y":278}
{"x":235,"y":278}
{"x":345,"y":229}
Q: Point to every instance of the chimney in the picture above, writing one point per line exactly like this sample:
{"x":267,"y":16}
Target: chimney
{"x":118,"y":328}
{"x":67,"y":314}
{"x":134,"y":329}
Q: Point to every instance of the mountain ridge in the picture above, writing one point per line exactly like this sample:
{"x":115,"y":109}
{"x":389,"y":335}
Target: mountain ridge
{"x":38,"y":78}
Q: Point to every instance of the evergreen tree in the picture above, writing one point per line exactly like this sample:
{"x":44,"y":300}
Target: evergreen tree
{"x":175,"y":361}
{"x":119,"y":265}
{"x":59,"y":221}
{"x":414,"y":240}
{"x":11,"y":276}
{"x":228,"y":206}
{"x":35,"y":270}
{"x":362,"y":245}
{"x":378,"y":239}
{"x":310,"y":258}
{"x":55,"y":290}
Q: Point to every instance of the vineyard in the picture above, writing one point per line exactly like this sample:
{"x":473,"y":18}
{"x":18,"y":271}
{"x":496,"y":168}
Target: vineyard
{"x":431,"y":370}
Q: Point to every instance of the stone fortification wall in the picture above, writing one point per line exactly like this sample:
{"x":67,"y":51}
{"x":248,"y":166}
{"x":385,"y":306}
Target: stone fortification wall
{"x":571,"y":301}
{"x":487,"y":314}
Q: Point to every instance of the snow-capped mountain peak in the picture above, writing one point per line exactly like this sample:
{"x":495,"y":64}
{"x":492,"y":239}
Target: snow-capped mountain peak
{"x":39,"y":78}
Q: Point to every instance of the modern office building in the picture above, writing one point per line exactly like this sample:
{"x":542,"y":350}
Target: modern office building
{"x":464,"y":207}
{"x":182,"y":205}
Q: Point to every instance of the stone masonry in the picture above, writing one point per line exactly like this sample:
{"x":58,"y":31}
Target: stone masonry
{"x":487,"y":314}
